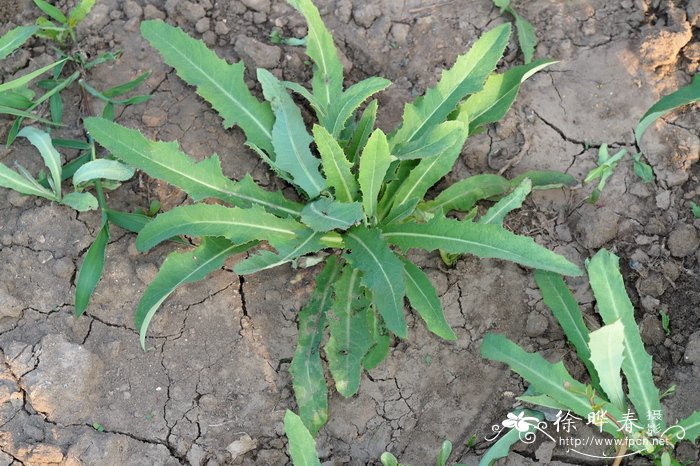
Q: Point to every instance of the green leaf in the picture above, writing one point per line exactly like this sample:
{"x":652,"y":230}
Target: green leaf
{"x":695,"y":209}
{"x":501,"y":448}
{"x":235,"y":224}
{"x":102,"y":169}
{"x":388,"y":459}
{"x":466,"y":77}
{"x":79,"y":12}
{"x":499,"y":92}
{"x":52,"y":11}
{"x":70,"y":144}
{"x":642,"y":170}
{"x":606,"y":345}
{"x":305,"y":243}
{"x":52,"y":159}
{"x":14,"y":100}
{"x":614,"y":304}
{"x":437,"y":140}
{"x":341,"y":111}
{"x":326,"y":215}
{"x":306,"y":370}
{"x":350,"y":338}
{"x":56,"y":108}
{"x":691,"y":426}
{"x":335,"y":166}
{"x":424,"y":299}
{"x":486,"y":241}
{"x":327,"y":81}
{"x":290,"y":138}
{"x":561,"y":301}
{"x":362,"y":131}
{"x":527,"y":37}
{"x":545,"y":179}
{"x":683,"y":96}
{"x":91,"y":270}
{"x":13,"y":180}
{"x":82,"y":202}
{"x":14,"y":38}
{"x":401,"y":212}
{"x":180,"y":268}
{"x":165,"y":161}
{"x":382,"y":274}
{"x":217,"y":82}
{"x":512,"y":201}
{"x":549,"y":379}
{"x":132,"y":222}
{"x":444,"y":455}
{"x":430,"y":170}
{"x":464,"y":194}
{"x":380,"y":338}
{"x":126,"y":87}
{"x":23,"y":114}
{"x":302,"y":448}
{"x":374,"y":163}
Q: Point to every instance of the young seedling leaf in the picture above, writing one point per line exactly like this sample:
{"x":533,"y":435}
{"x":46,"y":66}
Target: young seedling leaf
{"x":121,"y":89}
{"x":52,"y":159}
{"x":14,"y":38}
{"x":235,"y":224}
{"x":561,"y":301}
{"x":695,"y":209}
{"x":606,"y":345}
{"x":683,"y":96}
{"x":464,"y":194}
{"x":444,"y":455}
{"x":527,"y":36}
{"x":13,"y":180}
{"x":165,"y":161}
{"x":217,"y":82}
{"x":350,"y":338}
{"x":614,"y":304}
{"x":307,"y":242}
{"x":549,"y":379}
{"x":382,"y":274}
{"x":51,"y":11}
{"x":302,"y":448}
{"x":642,"y":170}
{"x":335,"y":166}
{"x":374,"y":163}
{"x":362,"y":132}
{"x":290,"y":139}
{"x":485,"y":241}
{"x":91,"y":270}
{"x":307,"y":372}
{"x":500,"y":90}
{"x":424,"y":299}
{"x":326,"y":215}
{"x":102,"y":169}
{"x":180,"y":268}
{"x":82,"y":202}
{"x":466,"y":77}
{"x":340,"y":112}
{"x":79,"y":12}
{"x":512,"y":201}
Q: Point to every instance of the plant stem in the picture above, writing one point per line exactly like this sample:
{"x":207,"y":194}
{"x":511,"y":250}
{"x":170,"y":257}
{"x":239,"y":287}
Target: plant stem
{"x":101,"y":200}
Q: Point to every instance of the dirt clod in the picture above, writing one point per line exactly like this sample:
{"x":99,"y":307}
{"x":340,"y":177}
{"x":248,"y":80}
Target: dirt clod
{"x":683,"y":241}
{"x":257,"y":54}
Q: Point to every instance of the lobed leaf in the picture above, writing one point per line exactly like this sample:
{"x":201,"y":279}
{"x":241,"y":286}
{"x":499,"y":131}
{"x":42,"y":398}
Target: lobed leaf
{"x":380,"y":340}
{"x":306,"y":370}
{"x":235,"y":224}
{"x":614,"y":304}
{"x":434,"y":142}
{"x":691,"y":427}
{"x":14,"y":38}
{"x":512,"y":201}
{"x":340,"y":111}
{"x":302,"y":448}
{"x":326,"y":215}
{"x":464,"y":194}
{"x":217,"y":82}
{"x":102,"y":169}
{"x":305,"y":243}
{"x":606,"y":345}
{"x":424,"y":299}
{"x":374,"y":163}
{"x":335,"y":166}
{"x":466,"y":77}
{"x":290,"y":138}
{"x":362,"y":132}
{"x":382,"y":274}
{"x":52,"y":159}
{"x":165,"y":161}
{"x":486,"y":241}
{"x":91,"y":270}
{"x":180,"y":268}
{"x":350,"y":338}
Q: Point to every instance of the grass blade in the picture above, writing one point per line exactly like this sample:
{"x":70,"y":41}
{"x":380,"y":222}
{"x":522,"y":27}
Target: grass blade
{"x":25,"y":79}
{"x":217,"y":82}
{"x":165,"y":161}
{"x":424,"y":299}
{"x":486,"y":241}
{"x":335,"y":166}
{"x":180,"y":268}
{"x":614,"y":304}
{"x":374,"y":163}
{"x":23,"y":114}
{"x":51,"y":11}
{"x":290,"y":139}
{"x":52,"y":159}
{"x":349,"y":336}
{"x":302,"y":448}
{"x":79,"y":12}
{"x":306,"y":370}
{"x":606,"y":345}
{"x":91,"y":270}
{"x":14,"y":38}
{"x":382,"y":274}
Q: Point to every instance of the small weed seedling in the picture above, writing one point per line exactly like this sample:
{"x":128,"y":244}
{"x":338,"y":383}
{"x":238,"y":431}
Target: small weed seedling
{"x":364,"y":199}
{"x":635,"y":417}
{"x":604,"y":170}
{"x":87,"y":170}
{"x":527,"y":37}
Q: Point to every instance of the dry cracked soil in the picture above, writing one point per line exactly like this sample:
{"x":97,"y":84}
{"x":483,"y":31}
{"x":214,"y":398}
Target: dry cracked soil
{"x":214,"y":385}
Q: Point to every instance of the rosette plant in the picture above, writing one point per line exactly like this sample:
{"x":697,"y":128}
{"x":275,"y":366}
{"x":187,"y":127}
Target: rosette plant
{"x":360,"y":195}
